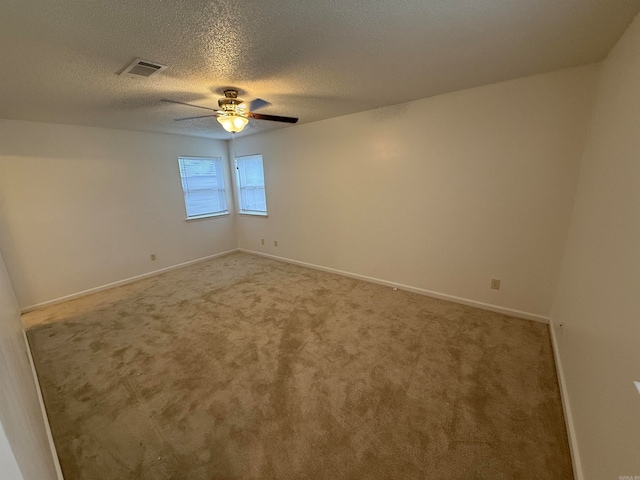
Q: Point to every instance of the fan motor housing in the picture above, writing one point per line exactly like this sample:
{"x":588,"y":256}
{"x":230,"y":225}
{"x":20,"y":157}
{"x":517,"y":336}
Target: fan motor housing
{"x":230,"y":103}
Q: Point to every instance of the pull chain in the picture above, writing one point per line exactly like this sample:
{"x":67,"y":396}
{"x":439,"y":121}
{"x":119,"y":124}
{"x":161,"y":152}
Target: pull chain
{"x":233,"y":149}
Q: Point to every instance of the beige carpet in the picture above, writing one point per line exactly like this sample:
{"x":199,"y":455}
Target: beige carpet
{"x":248,"y":368}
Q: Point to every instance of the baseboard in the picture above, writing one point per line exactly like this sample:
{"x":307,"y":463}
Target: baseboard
{"x":54,"y":452}
{"x":123,"y":282}
{"x":442,"y":296}
{"x":566,"y":407}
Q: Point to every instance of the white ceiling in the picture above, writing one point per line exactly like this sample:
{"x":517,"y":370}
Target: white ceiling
{"x":310,"y":59}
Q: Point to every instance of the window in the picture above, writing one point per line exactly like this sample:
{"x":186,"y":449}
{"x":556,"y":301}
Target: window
{"x":250,"y":177}
{"x":203,"y":186}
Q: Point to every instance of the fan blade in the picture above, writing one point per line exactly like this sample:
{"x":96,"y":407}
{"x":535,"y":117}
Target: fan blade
{"x":257,"y":103}
{"x":273,"y":118}
{"x":187,"y":104}
{"x":192,"y":118}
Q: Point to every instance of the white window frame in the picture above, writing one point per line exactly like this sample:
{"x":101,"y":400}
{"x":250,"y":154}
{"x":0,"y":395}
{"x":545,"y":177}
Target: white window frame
{"x":221,"y":190}
{"x":240,"y":188}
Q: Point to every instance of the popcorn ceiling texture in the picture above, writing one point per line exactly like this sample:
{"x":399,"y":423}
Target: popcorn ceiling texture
{"x":248,"y":368}
{"x":312,"y":60}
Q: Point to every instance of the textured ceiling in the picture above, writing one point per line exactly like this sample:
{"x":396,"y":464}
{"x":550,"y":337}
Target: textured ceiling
{"x":310,"y":59}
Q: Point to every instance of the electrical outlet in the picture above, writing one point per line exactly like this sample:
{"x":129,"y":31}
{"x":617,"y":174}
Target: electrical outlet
{"x":495,"y":284}
{"x":262,"y":241}
{"x":153,"y":257}
{"x":275,"y":243}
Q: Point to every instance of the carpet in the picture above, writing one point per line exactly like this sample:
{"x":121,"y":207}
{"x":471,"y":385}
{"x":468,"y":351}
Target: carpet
{"x":243,"y":367}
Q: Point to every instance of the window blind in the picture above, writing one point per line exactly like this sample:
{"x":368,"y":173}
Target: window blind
{"x":203,"y":186}
{"x":251,"y":190}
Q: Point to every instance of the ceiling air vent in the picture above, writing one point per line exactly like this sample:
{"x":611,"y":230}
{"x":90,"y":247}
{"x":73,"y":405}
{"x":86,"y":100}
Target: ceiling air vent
{"x":143,"y":68}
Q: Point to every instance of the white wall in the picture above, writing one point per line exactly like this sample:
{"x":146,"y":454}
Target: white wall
{"x":441,"y":194}
{"x":24,"y":447}
{"x":82,"y":207}
{"x":8,"y":464}
{"x":598,"y":299}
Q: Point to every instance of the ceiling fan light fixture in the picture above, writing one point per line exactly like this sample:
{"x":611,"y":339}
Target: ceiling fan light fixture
{"x":233,"y":123}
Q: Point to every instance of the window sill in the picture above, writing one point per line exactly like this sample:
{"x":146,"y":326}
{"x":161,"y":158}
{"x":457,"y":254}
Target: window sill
{"x":208,"y":215}
{"x":255,"y":214}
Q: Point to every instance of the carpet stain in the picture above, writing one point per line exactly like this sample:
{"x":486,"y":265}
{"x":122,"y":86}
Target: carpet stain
{"x":243,"y":367}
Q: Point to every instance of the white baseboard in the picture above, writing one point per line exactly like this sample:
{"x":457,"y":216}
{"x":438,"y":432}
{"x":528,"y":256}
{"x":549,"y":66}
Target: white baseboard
{"x":566,"y":407}
{"x":54,"y":453}
{"x":442,"y":296}
{"x":429,"y":293}
{"x":123,"y":282}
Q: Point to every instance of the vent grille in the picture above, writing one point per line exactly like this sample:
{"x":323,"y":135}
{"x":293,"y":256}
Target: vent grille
{"x":143,"y":68}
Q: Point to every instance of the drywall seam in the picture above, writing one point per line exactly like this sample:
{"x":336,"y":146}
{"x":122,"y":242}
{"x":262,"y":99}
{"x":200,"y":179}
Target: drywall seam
{"x":566,"y":406}
{"x":54,"y":452}
{"x":123,"y":282}
{"x":409,"y":288}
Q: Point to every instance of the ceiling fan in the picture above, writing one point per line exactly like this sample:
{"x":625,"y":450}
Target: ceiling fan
{"x":234,"y":113}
